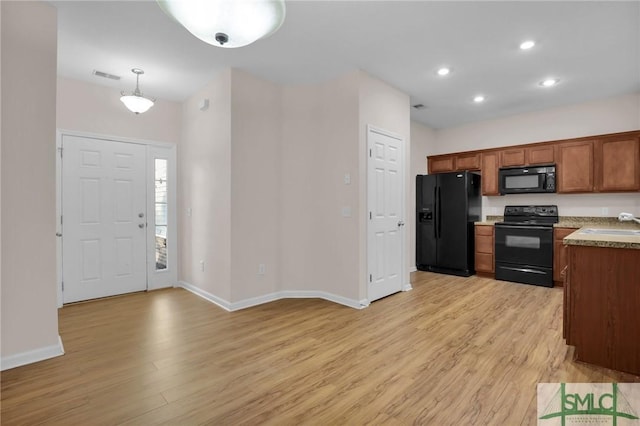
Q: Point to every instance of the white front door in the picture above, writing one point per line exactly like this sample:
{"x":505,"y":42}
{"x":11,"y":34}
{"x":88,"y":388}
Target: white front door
{"x":104,"y":218}
{"x":386,"y":213}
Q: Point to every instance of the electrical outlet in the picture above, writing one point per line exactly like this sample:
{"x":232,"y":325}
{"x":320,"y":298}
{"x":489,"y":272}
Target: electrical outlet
{"x":605,"y":211}
{"x":202,"y":265}
{"x":262,"y":269}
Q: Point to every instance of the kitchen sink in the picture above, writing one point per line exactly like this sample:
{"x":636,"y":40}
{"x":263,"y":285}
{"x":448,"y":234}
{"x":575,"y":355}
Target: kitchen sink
{"x":621,"y":232}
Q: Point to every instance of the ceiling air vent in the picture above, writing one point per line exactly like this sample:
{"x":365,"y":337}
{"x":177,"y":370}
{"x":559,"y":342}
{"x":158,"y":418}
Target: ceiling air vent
{"x":106,"y":75}
{"x":419,"y":106}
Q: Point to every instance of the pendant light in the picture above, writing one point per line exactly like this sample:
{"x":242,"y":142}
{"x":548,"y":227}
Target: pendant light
{"x":135,"y":101}
{"x":227,"y":23}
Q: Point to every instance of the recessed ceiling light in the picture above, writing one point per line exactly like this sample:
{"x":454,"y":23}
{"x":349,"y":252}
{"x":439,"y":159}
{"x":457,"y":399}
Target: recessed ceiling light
{"x":526,"y":45}
{"x":444,"y":71}
{"x":549,"y":82}
{"x":478,"y":99}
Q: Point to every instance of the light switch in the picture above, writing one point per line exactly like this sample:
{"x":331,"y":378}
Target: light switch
{"x":346,"y":211}
{"x":189,"y":211}
{"x":347,"y":178}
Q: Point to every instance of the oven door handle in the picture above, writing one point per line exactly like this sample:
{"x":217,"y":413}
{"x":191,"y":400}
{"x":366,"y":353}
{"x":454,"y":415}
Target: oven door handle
{"x":524,"y":227}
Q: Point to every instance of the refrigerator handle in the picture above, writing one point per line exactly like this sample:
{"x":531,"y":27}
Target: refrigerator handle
{"x":439,"y":215}
{"x":435,"y":211}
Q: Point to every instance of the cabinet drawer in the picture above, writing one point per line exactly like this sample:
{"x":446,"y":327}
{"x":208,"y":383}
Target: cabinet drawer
{"x":484,"y":262}
{"x":484,"y":244}
{"x":484,"y":230}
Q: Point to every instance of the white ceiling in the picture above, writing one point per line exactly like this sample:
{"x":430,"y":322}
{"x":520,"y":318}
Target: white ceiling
{"x":593,"y":47}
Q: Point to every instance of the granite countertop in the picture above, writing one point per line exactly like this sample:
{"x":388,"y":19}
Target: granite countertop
{"x":603,"y":240}
{"x":594,"y":240}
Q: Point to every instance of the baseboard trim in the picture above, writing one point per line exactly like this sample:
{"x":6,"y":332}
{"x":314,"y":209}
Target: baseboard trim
{"x":29,"y":357}
{"x":286,"y":294}
{"x":407,"y":287}
{"x":205,"y":295}
{"x":413,"y":269}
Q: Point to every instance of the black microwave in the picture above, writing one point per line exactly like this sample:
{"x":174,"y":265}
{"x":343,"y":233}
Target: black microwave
{"x":527,"y":180}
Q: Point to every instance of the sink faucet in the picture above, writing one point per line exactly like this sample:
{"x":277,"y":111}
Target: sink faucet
{"x":627,"y":217}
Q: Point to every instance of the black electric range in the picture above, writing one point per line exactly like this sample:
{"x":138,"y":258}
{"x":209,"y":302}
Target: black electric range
{"x":524,"y":245}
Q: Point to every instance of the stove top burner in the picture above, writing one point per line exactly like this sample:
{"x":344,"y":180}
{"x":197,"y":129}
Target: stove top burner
{"x":530,"y":215}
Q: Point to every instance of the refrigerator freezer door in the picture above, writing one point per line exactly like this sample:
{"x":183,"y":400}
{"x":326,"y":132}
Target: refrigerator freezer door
{"x":425,"y":221}
{"x":452,"y":209}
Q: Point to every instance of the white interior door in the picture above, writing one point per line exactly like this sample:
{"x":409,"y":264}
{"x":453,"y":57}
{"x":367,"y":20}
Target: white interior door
{"x":386,"y":214}
{"x":103,"y":218}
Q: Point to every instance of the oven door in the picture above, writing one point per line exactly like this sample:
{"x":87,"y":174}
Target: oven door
{"x":524,"y":254}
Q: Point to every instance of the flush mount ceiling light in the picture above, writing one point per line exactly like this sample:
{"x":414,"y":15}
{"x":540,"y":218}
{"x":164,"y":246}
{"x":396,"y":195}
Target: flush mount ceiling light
{"x":526,"y":45}
{"x":549,"y":82}
{"x":478,"y":99}
{"x":444,"y":71}
{"x":227,"y":23}
{"x":135,"y":101}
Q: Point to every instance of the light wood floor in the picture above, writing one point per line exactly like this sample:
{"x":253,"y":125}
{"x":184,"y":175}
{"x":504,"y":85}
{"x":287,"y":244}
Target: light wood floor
{"x":460,"y":351}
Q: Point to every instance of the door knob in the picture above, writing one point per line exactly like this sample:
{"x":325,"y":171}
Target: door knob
{"x":141,"y":225}
{"x":400,"y":223}
{"x":140,"y":214}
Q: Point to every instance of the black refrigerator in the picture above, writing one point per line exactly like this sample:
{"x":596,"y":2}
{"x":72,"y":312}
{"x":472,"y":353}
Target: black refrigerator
{"x":447,"y":205}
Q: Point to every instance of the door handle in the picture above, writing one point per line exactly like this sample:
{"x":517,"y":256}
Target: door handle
{"x":400,"y":223}
{"x":141,"y":225}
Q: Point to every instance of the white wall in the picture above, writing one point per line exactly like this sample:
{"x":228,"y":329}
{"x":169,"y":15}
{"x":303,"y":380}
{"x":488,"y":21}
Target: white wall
{"x":611,"y":115}
{"x":97,"y":109}
{"x":256,"y":196}
{"x":387,"y":108}
{"x":422,"y":140}
{"x":319,"y":146}
{"x":204,"y":186}
{"x":29,"y":313}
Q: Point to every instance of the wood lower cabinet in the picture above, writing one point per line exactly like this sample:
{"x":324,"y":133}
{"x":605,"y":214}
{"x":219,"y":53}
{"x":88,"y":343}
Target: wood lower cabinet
{"x":601,"y":306}
{"x":484,"y":250}
{"x":617,"y":164}
{"x":489,"y":173}
{"x":574,"y":171}
{"x":560,"y":253}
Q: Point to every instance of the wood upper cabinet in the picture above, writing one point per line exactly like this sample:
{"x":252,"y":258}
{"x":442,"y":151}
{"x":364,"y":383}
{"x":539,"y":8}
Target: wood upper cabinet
{"x":529,"y":156}
{"x":454,"y":162}
{"x":540,"y":155}
{"x":575,"y":167}
{"x":442,"y":164}
{"x":560,"y":252}
{"x":617,"y":165}
{"x":489,"y":173}
{"x":512,"y":157}
{"x":484,"y":249}
{"x":468,"y":161}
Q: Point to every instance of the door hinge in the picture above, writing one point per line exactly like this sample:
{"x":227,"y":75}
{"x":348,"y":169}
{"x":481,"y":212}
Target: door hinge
{"x":370,"y":216}
{"x":370,"y":278}
{"x":370,"y":152}
{"x":60,"y":220}
{"x":60,"y":151}
{"x":62,"y":285}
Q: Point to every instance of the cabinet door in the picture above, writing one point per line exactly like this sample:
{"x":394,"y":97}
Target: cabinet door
{"x":441,"y":164}
{"x":484,"y":248}
{"x":512,"y":157}
{"x":468,"y":161}
{"x":540,"y":155}
{"x":559,"y":252}
{"x":575,"y":167}
{"x":618,"y":164}
{"x":490,"y":173}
